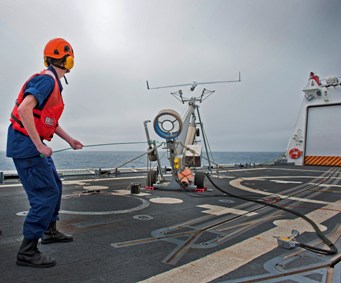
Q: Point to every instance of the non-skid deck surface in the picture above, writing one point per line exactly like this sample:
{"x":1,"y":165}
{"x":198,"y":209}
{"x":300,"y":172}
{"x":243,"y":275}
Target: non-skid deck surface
{"x":182,"y":236}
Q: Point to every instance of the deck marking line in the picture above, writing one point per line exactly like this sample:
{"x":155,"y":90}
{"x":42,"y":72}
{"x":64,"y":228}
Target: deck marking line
{"x":144,"y":204}
{"x":127,"y":192}
{"x":227,"y":260}
{"x":237,"y":184}
{"x":298,"y":224}
{"x":221,"y":210}
{"x":325,"y":185}
{"x":98,"y":188}
{"x":246,"y":169}
{"x":285,"y":182}
{"x":77,"y":182}
{"x":162,"y":200}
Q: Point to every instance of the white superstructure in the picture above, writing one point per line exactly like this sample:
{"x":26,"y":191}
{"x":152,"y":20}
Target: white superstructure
{"x":317,"y":136}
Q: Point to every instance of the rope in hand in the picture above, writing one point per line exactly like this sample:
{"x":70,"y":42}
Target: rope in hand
{"x":100,"y":144}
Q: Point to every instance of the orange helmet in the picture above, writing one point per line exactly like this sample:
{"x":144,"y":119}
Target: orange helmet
{"x":59,"y":48}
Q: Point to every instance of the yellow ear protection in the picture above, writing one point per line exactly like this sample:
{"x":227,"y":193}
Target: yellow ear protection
{"x":45,"y":62}
{"x":68,"y":63}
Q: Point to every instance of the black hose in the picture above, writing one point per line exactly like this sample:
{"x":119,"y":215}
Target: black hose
{"x":332,"y":248}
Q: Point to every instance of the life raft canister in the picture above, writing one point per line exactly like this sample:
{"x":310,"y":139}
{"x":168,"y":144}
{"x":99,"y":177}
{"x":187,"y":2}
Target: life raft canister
{"x":295,"y":153}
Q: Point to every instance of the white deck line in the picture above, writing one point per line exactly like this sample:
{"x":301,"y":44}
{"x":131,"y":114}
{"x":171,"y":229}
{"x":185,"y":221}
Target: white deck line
{"x":237,"y":184}
{"x":80,"y":181}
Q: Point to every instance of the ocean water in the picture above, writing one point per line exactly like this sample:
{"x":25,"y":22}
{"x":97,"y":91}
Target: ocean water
{"x":83,"y":159}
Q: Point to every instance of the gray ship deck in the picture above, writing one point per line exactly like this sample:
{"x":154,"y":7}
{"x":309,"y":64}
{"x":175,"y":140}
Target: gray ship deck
{"x":183,"y":236}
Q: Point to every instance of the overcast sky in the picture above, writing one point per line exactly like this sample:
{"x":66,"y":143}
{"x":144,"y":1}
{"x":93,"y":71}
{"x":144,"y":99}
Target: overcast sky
{"x":119,"y":44}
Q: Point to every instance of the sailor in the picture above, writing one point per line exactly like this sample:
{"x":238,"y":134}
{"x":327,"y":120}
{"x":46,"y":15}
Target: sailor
{"x":34,"y":119}
{"x":315,"y":78}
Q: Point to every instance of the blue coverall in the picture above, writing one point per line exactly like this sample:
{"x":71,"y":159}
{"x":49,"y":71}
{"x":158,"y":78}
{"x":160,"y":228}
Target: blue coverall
{"x":38,"y":175}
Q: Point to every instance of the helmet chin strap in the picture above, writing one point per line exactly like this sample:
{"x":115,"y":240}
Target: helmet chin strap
{"x":65,"y":80}
{"x":58,"y":66}
{"x":62,"y":67}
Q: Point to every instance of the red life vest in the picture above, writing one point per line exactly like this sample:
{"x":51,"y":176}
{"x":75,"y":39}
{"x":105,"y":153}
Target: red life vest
{"x":46,"y":119}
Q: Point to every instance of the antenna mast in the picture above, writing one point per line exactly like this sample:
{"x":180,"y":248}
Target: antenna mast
{"x":204,"y":94}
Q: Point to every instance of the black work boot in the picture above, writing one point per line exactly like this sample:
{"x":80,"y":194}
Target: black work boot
{"x":52,"y":235}
{"x":29,"y":255}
